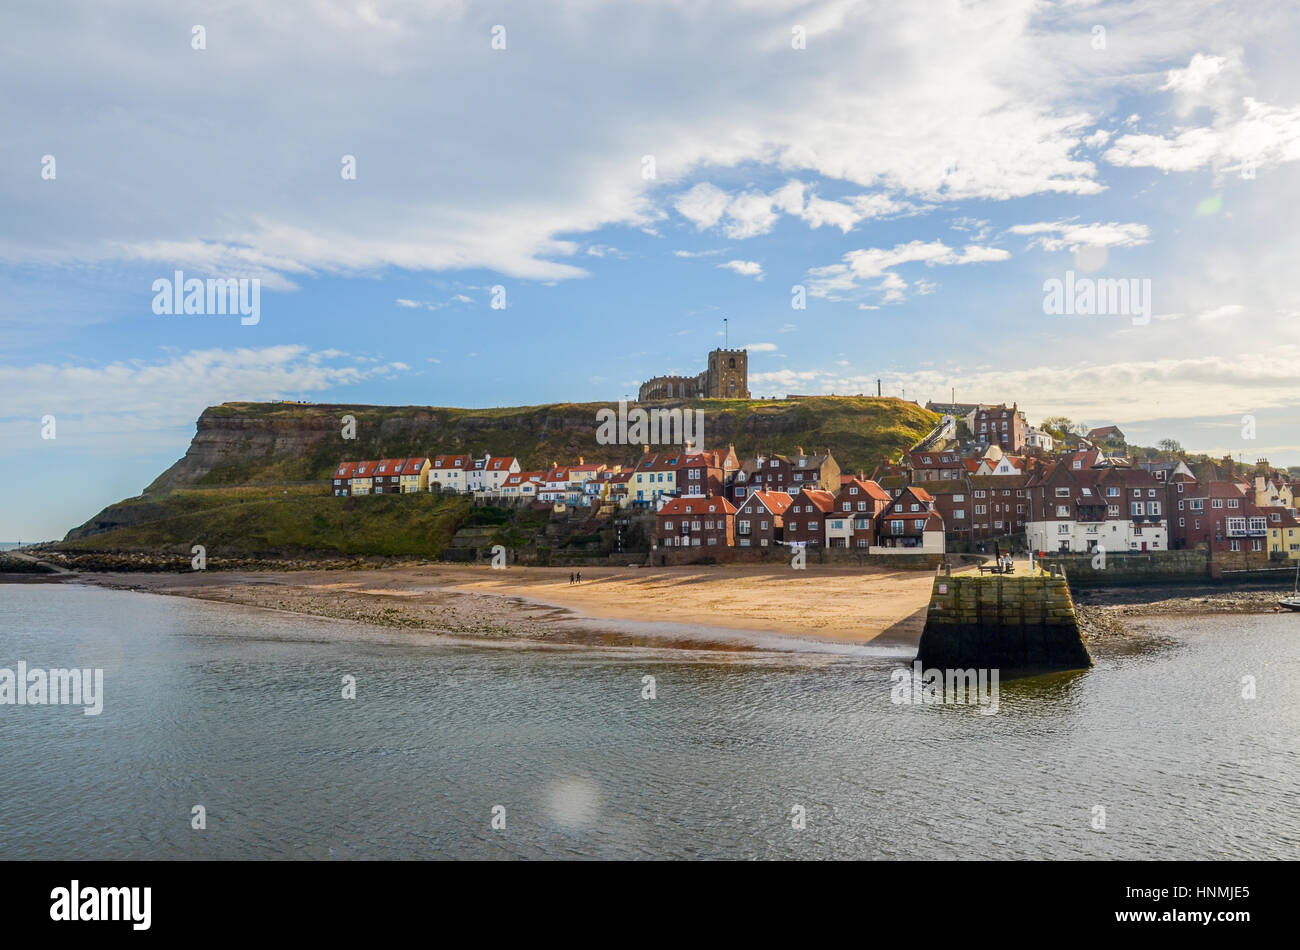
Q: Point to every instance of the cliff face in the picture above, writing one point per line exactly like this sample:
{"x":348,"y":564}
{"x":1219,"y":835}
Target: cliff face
{"x":262,"y":447}
{"x":242,"y":443}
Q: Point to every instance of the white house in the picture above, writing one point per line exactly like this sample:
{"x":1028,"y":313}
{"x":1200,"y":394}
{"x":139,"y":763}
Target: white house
{"x":448,"y":473}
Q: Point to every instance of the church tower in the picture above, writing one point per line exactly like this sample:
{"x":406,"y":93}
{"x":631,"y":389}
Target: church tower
{"x":728,"y":375}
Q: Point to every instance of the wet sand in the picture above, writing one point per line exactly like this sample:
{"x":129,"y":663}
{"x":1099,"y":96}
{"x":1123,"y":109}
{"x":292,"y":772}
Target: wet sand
{"x":726,"y":606}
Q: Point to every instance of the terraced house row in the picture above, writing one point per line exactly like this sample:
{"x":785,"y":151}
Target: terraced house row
{"x":860,"y":515}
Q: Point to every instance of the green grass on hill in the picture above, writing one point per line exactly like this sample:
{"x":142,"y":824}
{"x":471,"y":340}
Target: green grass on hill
{"x":244,"y":523}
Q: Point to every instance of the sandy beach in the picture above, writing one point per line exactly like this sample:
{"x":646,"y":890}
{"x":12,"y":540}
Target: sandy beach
{"x":682,"y":606}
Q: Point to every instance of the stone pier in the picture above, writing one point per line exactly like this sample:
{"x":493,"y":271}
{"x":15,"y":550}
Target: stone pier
{"x":1009,"y":623}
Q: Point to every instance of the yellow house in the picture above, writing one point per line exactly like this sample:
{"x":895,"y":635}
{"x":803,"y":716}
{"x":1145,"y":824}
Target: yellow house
{"x":363,"y":479}
{"x":653,"y":476}
{"x":1283,"y":533}
{"x":415,"y":475}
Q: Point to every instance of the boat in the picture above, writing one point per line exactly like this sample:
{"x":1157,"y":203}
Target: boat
{"x":1292,"y":602}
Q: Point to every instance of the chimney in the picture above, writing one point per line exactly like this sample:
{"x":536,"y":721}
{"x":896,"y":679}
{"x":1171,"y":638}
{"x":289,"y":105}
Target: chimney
{"x":798,"y":450}
{"x":645,"y":449}
{"x":580,"y":460}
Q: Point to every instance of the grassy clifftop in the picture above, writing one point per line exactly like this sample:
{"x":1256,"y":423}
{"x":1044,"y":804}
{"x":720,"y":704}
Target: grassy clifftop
{"x":242,"y":443}
{"x":220,"y":493}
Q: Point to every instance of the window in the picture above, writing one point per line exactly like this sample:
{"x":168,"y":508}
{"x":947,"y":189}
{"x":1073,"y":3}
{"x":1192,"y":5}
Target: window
{"x":1062,"y":511}
{"x":743,"y":527}
{"x":1217,"y":503}
{"x":668,"y":526}
{"x":958,"y":499}
{"x":762,"y":525}
{"x":1180,"y":488}
{"x":1151,"y":493}
{"x":1233,"y":502}
{"x":1062,"y":529}
{"x":1182,"y":522}
{"x":1153,"y":507}
{"x":896,"y":527}
{"x":916,"y":507}
{"x":813,"y":525}
{"x":1138,"y":509}
{"x":1063,"y":493}
{"x":862,"y":506}
{"x":959,"y":513}
{"x":852,"y":490}
{"x":980,"y":494}
{"x":793,"y":526}
{"x":981,"y":509}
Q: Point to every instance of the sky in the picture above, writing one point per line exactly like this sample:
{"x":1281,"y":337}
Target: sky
{"x":864,"y":191}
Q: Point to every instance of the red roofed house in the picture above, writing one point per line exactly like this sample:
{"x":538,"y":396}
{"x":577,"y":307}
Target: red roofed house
{"x":700,"y":473}
{"x":449,"y":472}
{"x":522,"y":485}
{"x":415,"y":475}
{"x":343,"y":478}
{"x":363,"y":478}
{"x":489,"y":473}
{"x":707,"y":522}
{"x":910,"y":521}
{"x":760,"y":521}
{"x":853,"y":517}
{"x":388,"y":477}
{"x":805,"y":519}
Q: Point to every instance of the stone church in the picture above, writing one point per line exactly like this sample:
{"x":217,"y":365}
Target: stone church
{"x":727,"y":377}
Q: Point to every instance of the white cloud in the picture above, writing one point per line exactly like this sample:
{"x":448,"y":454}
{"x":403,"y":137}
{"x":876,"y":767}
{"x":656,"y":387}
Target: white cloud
{"x":1070,"y":235}
{"x":128,"y":407}
{"x":751,"y":213}
{"x":878,"y":264}
{"x":760,"y":347}
{"x":744,"y":268}
{"x":1119,"y":391}
{"x":1004,"y":118}
{"x":1243,"y":132}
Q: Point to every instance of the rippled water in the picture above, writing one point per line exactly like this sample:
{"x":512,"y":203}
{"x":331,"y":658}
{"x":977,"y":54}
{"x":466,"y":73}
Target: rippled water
{"x":240,"y":711}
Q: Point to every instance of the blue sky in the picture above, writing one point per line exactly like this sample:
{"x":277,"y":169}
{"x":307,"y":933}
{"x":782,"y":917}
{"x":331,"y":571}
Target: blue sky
{"x":919,"y":169}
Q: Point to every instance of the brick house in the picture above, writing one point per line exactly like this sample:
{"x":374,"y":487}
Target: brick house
{"x":852,"y":522}
{"x":906,"y":519}
{"x":700,"y":473}
{"x":388,"y":477}
{"x":343,"y":478}
{"x":697,"y":522}
{"x":1219,"y":515}
{"x":1000,"y":426}
{"x":760,"y":521}
{"x":932,"y":466}
{"x":805,"y":519}
{"x":363,"y":478}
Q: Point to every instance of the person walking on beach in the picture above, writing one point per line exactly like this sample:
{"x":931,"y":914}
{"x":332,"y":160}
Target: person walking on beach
{"x":580,"y":577}
{"x":570,"y":578}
